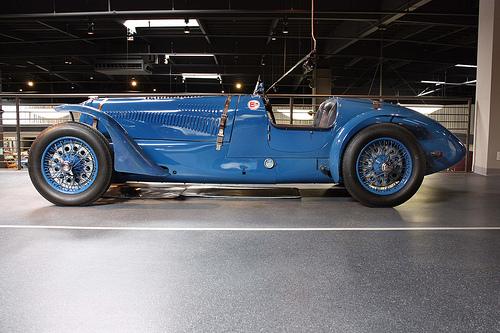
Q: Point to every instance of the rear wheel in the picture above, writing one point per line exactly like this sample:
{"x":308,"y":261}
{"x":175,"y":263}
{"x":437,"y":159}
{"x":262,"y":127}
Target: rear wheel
{"x":70,"y":164}
{"x":383,"y":166}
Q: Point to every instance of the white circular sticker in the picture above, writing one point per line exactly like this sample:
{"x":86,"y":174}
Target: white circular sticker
{"x":253,"y":104}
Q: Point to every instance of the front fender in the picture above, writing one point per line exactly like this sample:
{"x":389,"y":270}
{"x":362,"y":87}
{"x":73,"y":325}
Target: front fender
{"x":128,"y":156}
{"x":345,"y":134}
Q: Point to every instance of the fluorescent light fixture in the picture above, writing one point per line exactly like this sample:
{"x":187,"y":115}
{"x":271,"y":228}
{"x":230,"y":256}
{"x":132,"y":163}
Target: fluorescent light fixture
{"x":132,"y":25}
{"x":438,"y":83}
{"x":213,"y":76}
{"x":433,"y":82}
{"x":423,"y":93}
{"x":466,"y":66}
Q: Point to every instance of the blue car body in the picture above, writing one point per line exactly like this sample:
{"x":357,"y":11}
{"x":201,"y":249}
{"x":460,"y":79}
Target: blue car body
{"x":175,"y":139}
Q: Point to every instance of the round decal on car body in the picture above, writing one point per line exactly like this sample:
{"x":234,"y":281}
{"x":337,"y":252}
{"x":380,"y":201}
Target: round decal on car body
{"x":253,"y":104}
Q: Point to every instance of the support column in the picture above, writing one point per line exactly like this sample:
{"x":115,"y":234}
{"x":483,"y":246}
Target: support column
{"x":322,"y":84}
{"x":322,"y":81}
{"x":487,"y":125}
{"x":2,"y":158}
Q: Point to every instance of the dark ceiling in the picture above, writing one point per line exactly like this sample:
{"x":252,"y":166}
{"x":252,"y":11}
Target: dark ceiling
{"x":47,"y":41}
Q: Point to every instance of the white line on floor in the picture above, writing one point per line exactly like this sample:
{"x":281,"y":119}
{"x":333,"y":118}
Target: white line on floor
{"x":70,"y":227}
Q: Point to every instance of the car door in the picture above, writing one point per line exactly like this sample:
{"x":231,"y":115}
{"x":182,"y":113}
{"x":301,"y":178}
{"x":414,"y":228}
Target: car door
{"x":297,"y":139}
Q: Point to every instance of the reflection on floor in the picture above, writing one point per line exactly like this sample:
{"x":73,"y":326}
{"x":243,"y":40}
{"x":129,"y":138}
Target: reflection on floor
{"x":135,"y":190}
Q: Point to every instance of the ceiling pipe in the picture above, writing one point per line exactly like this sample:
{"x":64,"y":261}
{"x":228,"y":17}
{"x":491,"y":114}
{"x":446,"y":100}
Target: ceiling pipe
{"x":214,"y":13}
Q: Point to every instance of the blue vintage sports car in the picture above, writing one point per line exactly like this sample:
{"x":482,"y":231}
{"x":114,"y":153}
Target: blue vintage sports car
{"x":379,"y":151}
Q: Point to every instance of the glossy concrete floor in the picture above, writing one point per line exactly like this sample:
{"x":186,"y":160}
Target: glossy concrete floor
{"x":213,"y":265}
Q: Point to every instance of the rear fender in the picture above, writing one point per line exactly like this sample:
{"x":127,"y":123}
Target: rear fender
{"x":128,"y":156}
{"x":441,"y":148}
{"x":345,"y":134}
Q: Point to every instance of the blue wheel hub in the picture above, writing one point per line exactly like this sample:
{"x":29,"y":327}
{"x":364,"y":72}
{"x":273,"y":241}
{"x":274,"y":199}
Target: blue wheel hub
{"x":384,"y":166}
{"x":69,"y":165}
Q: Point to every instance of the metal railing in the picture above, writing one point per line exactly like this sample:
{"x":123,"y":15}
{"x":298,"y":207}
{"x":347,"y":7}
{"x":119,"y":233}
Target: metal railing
{"x":28,"y":114}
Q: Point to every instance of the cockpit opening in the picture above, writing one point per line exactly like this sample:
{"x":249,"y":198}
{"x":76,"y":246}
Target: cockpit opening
{"x":323,"y":118}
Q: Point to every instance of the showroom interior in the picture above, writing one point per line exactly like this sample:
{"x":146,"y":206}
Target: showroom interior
{"x":211,"y":222}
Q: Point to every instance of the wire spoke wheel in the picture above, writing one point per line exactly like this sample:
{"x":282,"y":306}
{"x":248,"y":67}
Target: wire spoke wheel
{"x":69,"y":165}
{"x":384,"y":166}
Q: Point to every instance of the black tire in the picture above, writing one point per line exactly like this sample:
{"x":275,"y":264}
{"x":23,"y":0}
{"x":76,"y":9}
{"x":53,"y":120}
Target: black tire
{"x":102,"y":151}
{"x":355,"y":147}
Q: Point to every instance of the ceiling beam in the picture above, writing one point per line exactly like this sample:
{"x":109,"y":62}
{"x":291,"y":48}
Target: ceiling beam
{"x":28,"y":55}
{"x":388,"y":19}
{"x":66,"y":33}
{"x":414,"y":33}
{"x":436,"y":23}
{"x":404,"y":63}
{"x":17,"y":39}
{"x":12,"y":37}
{"x":49,"y":72}
{"x":455,"y":31}
{"x":207,"y":38}
{"x":349,"y":40}
{"x":409,"y":35}
{"x":272,"y":27}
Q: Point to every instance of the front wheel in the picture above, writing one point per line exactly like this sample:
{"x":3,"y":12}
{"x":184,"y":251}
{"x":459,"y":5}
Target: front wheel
{"x":70,"y":164}
{"x":383,"y":166}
